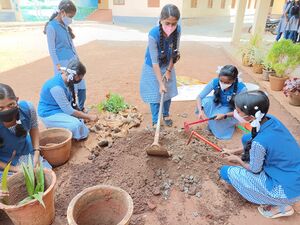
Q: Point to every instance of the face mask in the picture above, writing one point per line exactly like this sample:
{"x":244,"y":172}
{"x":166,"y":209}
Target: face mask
{"x":67,"y":20}
{"x":239,"y":118}
{"x":224,"y":86}
{"x":168,"y":29}
{"x":8,"y":115}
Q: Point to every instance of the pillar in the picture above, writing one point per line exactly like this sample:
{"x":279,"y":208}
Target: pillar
{"x":260,"y":17}
{"x":239,"y":21}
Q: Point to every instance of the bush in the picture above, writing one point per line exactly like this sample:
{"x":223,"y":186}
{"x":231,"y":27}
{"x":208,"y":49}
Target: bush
{"x":114,"y":103}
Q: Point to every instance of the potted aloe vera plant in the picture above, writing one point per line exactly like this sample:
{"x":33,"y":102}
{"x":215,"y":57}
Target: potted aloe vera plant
{"x":247,"y":49}
{"x":291,"y":89}
{"x":283,"y":57}
{"x":256,"y":59}
{"x":31,"y":195}
{"x":267,"y":70}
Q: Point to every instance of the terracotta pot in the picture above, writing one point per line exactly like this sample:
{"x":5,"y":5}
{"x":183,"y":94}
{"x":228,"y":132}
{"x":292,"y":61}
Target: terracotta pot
{"x":246,"y":60}
{"x":101,"y":204}
{"x":257,"y":68}
{"x":55,"y":144}
{"x":294,"y":98}
{"x":277,"y":83}
{"x":31,"y":213}
{"x":266,"y":74}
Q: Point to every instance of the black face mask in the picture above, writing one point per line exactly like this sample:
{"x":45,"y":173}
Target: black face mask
{"x":9,"y":115}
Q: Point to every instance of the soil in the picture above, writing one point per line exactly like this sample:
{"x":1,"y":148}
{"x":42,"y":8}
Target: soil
{"x":192,"y":170}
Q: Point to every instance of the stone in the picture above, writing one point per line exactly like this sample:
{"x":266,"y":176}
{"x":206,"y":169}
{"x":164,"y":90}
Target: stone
{"x":156,"y":191}
{"x":103,"y":143}
{"x":192,"y":190}
{"x":198,"y":195}
{"x":195,"y":214}
{"x":151,"y":205}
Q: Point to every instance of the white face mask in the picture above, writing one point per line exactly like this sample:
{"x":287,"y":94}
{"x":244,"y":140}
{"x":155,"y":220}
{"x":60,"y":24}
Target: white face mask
{"x":224,"y":86}
{"x":67,"y":20}
{"x":239,"y":118}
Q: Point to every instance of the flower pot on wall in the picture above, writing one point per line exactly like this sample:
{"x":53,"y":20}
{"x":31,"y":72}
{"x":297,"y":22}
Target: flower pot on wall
{"x":257,"y":68}
{"x":277,"y":83}
{"x":246,"y":60}
{"x":266,"y":74}
{"x":294,"y":98}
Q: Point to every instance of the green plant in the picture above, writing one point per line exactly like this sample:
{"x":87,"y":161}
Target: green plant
{"x":257,"y":56}
{"x":247,"y":49}
{"x":114,"y":103}
{"x":291,"y":85}
{"x":35,"y":182}
{"x":284,"y":56}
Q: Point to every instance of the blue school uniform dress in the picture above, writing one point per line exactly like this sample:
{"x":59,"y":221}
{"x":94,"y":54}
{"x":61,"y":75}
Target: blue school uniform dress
{"x":293,"y":23}
{"x":149,"y":86}
{"x":283,"y":22}
{"x":62,"y":51}
{"x":22,"y":145}
{"x":222,"y":129}
{"x":274,"y":175}
{"x":55,"y":108}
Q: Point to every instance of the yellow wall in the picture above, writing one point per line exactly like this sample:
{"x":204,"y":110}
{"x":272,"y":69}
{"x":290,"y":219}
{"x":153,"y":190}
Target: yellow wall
{"x":6,"y":4}
{"x":139,"y":8}
{"x":277,"y":6}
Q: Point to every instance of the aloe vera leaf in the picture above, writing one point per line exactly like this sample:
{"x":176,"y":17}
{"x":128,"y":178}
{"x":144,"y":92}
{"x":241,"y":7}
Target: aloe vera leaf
{"x":25,"y":200}
{"x":4,"y":178}
{"x":28,"y":180}
{"x":39,"y":197}
{"x":31,"y":170}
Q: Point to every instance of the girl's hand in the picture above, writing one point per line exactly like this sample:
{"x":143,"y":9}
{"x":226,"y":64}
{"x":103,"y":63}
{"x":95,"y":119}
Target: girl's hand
{"x":162,"y":88}
{"x":58,"y":67}
{"x":233,"y":159}
{"x":36,"y":158}
{"x":201,"y":115}
{"x":3,"y":194}
{"x":93,"y":118}
{"x":168,"y":75}
{"x":220,"y":117}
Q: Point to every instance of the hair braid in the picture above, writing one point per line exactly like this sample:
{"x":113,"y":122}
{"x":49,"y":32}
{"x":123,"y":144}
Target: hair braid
{"x":163,"y":56}
{"x":175,"y":51}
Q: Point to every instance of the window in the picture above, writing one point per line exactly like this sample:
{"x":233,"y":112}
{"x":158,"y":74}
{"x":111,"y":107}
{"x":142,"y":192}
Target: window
{"x":223,"y":4}
{"x":153,"y":3}
{"x":210,"y":3}
{"x":194,"y":3}
{"x":119,"y":2}
{"x":233,"y":4}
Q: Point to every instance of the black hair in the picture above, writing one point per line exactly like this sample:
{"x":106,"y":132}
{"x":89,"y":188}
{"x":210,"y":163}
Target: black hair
{"x":68,"y":7}
{"x":79,"y":69}
{"x":7,"y":92}
{"x":167,"y":11}
{"x":231,"y":72}
{"x":249,"y":103}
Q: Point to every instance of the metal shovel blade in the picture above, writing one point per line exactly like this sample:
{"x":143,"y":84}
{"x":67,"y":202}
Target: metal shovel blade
{"x":157,"y":150}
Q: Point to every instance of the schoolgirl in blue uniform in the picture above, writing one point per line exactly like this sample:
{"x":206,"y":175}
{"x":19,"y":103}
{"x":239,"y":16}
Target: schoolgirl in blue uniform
{"x":57,"y":106}
{"x":60,"y":43}
{"x":270,"y":176}
{"x":281,"y":29}
{"x":225,"y":87}
{"x":161,"y":55}
{"x":293,"y":21}
{"x":19,"y":133}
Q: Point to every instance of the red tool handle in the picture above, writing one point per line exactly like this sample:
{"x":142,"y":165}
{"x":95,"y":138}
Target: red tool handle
{"x":201,"y":121}
{"x":205,"y":140}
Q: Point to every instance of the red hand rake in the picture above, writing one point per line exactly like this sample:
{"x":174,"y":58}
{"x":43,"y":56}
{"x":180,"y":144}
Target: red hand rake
{"x":187,"y":125}
{"x":194,"y":133}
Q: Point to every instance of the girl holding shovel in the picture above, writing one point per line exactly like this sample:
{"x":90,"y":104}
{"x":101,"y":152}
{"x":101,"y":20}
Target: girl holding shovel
{"x":161,"y":55}
{"x":225,"y":87}
{"x":60,"y":43}
{"x":270,"y":177}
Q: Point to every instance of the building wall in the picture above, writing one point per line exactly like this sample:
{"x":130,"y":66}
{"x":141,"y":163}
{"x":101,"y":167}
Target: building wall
{"x":277,"y":6}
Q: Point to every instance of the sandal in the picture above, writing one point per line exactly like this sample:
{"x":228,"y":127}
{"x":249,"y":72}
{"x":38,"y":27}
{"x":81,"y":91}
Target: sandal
{"x":266,"y":212}
{"x":168,"y":122}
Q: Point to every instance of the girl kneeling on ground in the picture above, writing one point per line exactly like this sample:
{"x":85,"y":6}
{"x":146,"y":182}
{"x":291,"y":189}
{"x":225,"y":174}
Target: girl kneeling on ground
{"x":221,"y":104}
{"x":58,"y":107}
{"x":270,"y":175}
{"x":19,"y":132}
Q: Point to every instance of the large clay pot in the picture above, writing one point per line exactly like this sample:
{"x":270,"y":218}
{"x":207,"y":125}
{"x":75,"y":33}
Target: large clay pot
{"x":100,"y":205}
{"x":31,"y":213}
{"x":277,"y":83}
{"x":294,"y":98}
{"x":257,"y":68}
{"x":55,"y":145}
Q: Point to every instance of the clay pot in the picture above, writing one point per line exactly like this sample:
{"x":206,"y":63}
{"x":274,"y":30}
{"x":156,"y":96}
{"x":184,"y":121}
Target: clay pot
{"x":31,"y":213}
{"x":277,"y":83}
{"x":246,"y":60}
{"x":55,"y":145}
{"x":257,"y":68}
{"x":294,"y":98}
{"x":100,"y":205}
{"x":266,"y":74}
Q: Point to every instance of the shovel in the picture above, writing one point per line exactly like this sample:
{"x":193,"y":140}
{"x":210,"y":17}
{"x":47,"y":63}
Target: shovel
{"x":187,"y":125}
{"x":156,"y":149}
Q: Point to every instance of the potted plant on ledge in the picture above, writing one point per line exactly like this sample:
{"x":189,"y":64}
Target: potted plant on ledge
{"x":267,"y":70}
{"x":247,"y":49}
{"x":283,"y":57}
{"x":256,"y":59}
{"x":292,"y":89}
